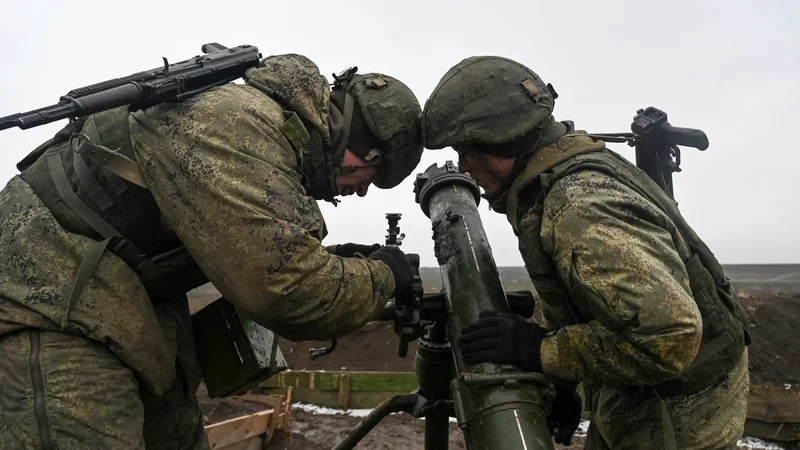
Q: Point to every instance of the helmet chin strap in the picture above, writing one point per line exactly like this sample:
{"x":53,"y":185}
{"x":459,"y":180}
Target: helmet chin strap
{"x":349,"y":103}
{"x":346,"y":117}
{"x":341,"y":83}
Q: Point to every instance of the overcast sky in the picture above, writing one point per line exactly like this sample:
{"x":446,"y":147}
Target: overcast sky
{"x":731,"y":68}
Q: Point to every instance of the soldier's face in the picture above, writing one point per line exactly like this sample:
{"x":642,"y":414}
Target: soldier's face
{"x":358,"y":181}
{"x":491,"y":173}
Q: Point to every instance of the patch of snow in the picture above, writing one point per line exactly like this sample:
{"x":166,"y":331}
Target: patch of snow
{"x":314,"y":409}
{"x":787,"y":386}
{"x":583,"y":428}
{"x":758,"y":444}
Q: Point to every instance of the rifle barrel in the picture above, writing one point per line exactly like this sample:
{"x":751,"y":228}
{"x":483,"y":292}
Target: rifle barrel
{"x":169,"y":83}
{"x":36,"y":117}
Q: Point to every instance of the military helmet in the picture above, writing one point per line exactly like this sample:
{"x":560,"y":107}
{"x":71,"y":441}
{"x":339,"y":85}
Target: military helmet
{"x":485,"y":102}
{"x":383,"y":124}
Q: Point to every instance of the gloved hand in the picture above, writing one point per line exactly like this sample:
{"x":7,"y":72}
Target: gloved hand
{"x":401,"y":268}
{"x":350,"y":249}
{"x":502,"y":339}
{"x":565,"y":416}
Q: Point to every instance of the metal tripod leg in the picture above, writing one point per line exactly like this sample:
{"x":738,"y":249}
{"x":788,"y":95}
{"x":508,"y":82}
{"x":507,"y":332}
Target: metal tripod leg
{"x":409,"y":403}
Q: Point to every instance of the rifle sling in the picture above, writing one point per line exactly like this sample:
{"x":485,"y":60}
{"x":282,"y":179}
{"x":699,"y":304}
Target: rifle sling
{"x":93,"y":135}
{"x":115,"y":162}
{"x":90,"y":183}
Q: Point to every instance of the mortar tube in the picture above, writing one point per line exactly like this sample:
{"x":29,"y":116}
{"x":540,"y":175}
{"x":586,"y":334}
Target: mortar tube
{"x":504,"y":413}
{"x":434,"y":368}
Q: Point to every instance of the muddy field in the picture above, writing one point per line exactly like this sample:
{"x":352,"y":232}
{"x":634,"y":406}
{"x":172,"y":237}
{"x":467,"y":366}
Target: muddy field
{"x":774,"y":356}
{"x":312,"y":430}
{"x":774,"y":360}
{"x":400,"y":432}
{"x":322,"y":431}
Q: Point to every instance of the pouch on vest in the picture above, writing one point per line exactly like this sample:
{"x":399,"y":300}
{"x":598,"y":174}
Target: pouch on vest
{"x":235,"y":353}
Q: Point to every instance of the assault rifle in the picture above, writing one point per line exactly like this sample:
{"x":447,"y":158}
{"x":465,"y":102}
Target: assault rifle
{"x":656,"y":143}
{"x":169,"y":83}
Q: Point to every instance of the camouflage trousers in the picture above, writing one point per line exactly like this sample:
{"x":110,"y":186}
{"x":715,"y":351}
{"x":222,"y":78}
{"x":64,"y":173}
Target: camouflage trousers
{"x":712,"y":419}
{"x":61,"y":391}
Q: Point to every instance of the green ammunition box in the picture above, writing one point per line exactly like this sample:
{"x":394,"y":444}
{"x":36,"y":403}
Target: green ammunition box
{"x":235,"y":353}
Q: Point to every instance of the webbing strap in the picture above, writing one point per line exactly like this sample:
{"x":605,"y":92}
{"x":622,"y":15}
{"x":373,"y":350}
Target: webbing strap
{"x":85,"y":270}
{"x":90,"y":183}
{"x":71,"y":199}
{"x":712,"y":348}
{"x":274,"y":351}
{"x":545,"y":159}
{"x":122,"y":247}
{"x":670,"y":443}
{"x":588,"y":401}
{"x":115,"y":162}
{"x":92,"y":134}
{"x":349,"y":104}
{"x":117,"y":182}
{"x":707,"y":350}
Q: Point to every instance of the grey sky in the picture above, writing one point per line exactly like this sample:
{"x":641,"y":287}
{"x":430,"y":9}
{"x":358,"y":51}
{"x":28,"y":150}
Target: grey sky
{"x":730,"y":68}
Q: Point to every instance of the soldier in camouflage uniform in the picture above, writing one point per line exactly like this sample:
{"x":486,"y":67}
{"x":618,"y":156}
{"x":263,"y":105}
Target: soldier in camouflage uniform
{"x":95,"y":261}
{"x":635,"y":306}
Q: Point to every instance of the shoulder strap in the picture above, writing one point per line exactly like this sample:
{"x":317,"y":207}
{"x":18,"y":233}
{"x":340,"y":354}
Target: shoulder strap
{"x":117,"y":182}
{"x":113,"y":240}
{"x":114,"y":162}
{"x":544,"y":159}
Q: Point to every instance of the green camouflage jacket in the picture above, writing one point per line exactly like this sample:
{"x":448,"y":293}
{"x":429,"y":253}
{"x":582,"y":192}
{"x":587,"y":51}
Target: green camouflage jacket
{"x":634,"y":302}
{"x":227,"y":182}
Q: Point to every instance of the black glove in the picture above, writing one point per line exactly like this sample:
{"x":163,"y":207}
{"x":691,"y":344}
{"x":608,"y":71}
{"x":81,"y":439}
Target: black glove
{"x":401,"y":268}
{"x":565,"y":417}
{"x":349,"y":250}
{"x":502,"y":339}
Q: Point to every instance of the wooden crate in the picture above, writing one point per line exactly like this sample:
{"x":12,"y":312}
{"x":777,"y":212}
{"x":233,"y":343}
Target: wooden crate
{"x":253,"y":431}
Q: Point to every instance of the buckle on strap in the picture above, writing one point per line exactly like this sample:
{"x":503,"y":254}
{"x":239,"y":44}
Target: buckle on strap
{"x":127,"y":252}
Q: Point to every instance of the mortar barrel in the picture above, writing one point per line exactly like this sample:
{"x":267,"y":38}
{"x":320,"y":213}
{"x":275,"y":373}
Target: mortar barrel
{"x":496,"y":405}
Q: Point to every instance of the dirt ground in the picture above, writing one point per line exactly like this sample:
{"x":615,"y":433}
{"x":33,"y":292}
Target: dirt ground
{"x":774,"y":357}
{"x":774,"y":360}
{"x":401,"y":432}
{"x":395,"y":432}
{"x":774,"y":354}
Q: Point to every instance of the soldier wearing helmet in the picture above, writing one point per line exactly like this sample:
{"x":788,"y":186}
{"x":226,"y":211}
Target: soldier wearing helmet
{"x":95,"y":330}
{"x":635,"y":305}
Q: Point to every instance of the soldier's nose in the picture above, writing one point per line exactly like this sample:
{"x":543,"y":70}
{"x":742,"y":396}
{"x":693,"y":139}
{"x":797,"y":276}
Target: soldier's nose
{"x":463,"y":167}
